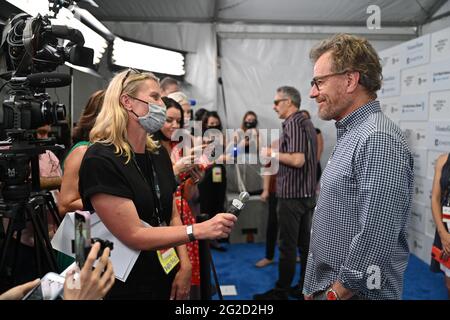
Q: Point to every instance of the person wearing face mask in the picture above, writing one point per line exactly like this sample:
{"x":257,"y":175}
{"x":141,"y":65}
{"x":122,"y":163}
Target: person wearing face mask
{"x":126,"y":177}
{"x":251,"y":134}
{"x":182,"y":99}
{"x":214,"y":184}
{"x":187,"y":174}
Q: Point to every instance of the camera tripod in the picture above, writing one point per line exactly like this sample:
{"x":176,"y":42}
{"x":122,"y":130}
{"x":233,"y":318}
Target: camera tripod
{"x":35,"y":211}
{"x":23,"y":202}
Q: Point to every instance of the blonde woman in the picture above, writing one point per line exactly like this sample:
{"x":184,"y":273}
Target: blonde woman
{"x":125,"y":177}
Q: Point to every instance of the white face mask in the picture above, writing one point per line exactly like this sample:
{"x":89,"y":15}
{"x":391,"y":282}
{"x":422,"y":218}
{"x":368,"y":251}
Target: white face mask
{"x":154,"y":119}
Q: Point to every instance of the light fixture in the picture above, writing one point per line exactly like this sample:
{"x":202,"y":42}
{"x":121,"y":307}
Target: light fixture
{"x":145,"y":57}
{"x":32,"y":7}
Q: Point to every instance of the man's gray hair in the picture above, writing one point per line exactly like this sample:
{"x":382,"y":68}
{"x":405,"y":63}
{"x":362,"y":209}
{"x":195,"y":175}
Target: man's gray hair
{"x":168,"y":81}
{"x":292,"y":94}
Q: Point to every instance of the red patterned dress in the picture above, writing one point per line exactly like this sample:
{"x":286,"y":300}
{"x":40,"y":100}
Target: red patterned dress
{"x":187,"y":217}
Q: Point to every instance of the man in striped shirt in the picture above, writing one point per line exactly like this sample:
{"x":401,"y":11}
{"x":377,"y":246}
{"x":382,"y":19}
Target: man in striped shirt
{"x":296,"y":185}
{"x":358,"y":248}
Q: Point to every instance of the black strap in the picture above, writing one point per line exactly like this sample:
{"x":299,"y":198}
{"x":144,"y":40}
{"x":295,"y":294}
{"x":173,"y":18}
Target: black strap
{"x":156,"y":193}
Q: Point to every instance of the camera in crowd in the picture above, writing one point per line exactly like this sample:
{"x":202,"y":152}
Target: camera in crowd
{"x":31,"y":50}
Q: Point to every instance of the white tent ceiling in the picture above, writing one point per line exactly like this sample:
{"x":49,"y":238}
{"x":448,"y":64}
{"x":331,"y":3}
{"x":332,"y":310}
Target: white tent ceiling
{"x":292,"y":12}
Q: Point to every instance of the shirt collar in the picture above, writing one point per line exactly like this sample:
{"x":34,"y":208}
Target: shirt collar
{"x":291,"y":117}
{"x":357,"y":117}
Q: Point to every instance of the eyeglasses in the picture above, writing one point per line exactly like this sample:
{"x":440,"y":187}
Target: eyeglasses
{"x":138,"y":99}
{"x":319,"y":80}
{"x":136,"y":71}
{"x":276,"y":102}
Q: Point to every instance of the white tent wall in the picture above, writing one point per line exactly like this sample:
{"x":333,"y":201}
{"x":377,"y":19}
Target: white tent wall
{"x":254,"y":63}
{"x":198,"y":39}
{"x":440,"y":23}
{"x":255,"y":60}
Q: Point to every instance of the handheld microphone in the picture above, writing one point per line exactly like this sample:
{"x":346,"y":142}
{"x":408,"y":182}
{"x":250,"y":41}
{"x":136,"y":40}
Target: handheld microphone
{"x":238,"y":204}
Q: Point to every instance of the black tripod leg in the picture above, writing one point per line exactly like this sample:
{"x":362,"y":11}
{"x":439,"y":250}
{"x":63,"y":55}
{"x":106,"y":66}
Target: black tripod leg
{"x":16,"y":252}
{"x":42,"y":241}
{"x":52,"y":207}
{"x":6,"y":244}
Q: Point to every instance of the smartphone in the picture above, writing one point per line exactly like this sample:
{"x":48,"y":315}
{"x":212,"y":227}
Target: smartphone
{"x":82,"y":242}
{"x":50,"y":288}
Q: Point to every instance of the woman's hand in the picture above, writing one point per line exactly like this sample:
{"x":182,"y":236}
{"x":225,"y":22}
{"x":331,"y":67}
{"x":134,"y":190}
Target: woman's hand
{"x":183,"y":164}
{"x":19,"y":292}
{"x":181,"y":285}
{"x":92,"y":284}
{"x":217,"y":227}
{"x":445,"y":239}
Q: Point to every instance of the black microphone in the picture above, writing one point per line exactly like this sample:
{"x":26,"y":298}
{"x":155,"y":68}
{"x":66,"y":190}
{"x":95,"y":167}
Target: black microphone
{"x":49,"y":80}
{"x":238,"y":204}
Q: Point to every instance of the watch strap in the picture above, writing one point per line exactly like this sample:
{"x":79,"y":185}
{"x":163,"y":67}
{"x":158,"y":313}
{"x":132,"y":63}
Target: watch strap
{"x":190,"y":232}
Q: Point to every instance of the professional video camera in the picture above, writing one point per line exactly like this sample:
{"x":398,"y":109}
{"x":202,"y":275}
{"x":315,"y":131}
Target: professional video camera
{"x":30,"y":51}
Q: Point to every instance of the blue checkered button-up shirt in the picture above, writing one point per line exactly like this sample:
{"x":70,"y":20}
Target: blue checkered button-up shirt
{"x":358,"y":236}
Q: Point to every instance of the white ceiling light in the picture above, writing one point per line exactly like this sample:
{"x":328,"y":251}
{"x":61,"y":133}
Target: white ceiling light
{"x":32,"y":7}
{"x":144,"y":57}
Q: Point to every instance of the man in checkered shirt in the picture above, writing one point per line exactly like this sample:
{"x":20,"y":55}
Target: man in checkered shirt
{"x":358,"y":247}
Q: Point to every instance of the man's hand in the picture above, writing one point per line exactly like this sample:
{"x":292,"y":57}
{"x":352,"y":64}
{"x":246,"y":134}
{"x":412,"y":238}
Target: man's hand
{"x":342,"y":292}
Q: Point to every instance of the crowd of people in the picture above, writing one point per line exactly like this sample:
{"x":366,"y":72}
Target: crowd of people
{"x":147,"y":182}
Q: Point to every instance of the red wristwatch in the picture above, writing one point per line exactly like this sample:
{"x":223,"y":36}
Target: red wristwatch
{"x":332,"y":294}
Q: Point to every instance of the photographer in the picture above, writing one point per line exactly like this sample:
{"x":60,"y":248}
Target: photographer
{"x":94,"y":282}
{"x":126,"y":177}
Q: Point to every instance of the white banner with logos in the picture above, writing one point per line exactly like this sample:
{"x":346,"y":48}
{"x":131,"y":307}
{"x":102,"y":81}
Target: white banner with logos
{"x":416,"y":95}
{"x":415,"y":133}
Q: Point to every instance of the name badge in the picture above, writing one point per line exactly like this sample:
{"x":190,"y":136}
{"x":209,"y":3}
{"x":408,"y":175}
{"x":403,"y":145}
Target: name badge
{"x":168,"y":259}
{"x":446,"y":214}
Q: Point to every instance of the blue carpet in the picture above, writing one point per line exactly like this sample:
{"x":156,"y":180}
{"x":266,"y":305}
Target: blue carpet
{"x":236,"y":267}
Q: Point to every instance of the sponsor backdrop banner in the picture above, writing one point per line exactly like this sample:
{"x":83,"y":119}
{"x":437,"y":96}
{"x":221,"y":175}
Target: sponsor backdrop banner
{"x":416,"y":95}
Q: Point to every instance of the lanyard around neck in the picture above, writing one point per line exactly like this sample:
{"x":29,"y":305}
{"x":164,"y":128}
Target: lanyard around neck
{"x":156,"y":193}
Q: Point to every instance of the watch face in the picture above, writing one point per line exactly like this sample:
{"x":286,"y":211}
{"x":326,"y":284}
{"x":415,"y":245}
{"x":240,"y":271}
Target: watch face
{"x":331,"y":295}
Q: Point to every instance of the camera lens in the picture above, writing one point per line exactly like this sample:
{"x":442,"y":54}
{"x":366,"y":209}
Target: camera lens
{"x":53,"y":113}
